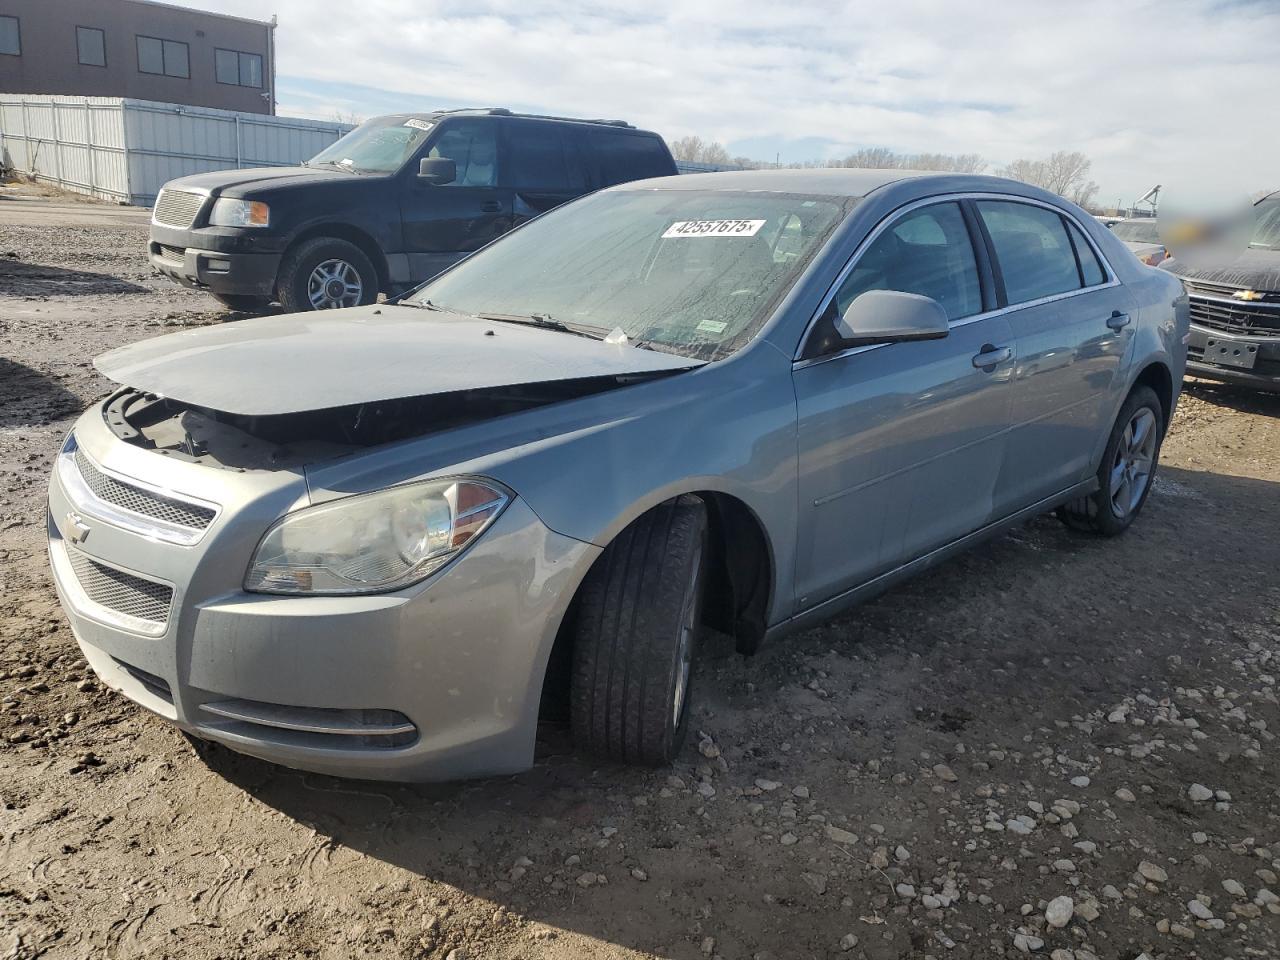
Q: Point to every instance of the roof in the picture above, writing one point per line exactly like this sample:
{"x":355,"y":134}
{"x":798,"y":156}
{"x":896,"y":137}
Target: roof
{"x":504,"y":112}
{"x":832,"y":181}
{"x":197,"y":11}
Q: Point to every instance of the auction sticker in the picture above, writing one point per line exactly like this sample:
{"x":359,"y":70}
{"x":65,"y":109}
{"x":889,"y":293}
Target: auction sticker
{"x":419,"y":124}
{"x":713,"y":228}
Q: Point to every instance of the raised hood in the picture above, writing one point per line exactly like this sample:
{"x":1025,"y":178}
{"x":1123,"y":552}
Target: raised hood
{"x":315,"y":361}
{"x":1255,"y":269}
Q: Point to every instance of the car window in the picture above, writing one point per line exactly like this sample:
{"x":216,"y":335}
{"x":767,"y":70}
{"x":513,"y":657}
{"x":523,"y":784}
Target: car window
{"x":537,"y":157}
{"x":684,"y":271}
{"x":381,"y":145}
{"x":1035,"y":254}
{"x":927,"y":251}
{"x":473,"y":146}
{"x":1143,"y":231}
{"x":618,"y":157}
{"x":1090,"y":267}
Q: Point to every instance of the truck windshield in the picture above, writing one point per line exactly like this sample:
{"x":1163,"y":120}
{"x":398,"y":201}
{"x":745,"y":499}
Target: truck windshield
{"x":381,"y":145}
{"x":683,"y":271}
{"x":1266,"y":224}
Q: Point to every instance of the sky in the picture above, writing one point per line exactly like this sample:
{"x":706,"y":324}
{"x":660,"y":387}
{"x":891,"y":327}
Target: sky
{"x":1153,"y":91}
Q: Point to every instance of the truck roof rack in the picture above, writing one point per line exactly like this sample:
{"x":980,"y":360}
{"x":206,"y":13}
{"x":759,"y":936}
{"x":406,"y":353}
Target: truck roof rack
{"x":507,"y":112}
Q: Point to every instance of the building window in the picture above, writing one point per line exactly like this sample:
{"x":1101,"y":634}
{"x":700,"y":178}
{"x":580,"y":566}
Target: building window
{"x":10,"y":36}
{"x":237,"y":69}
{"x":91,"y":46}
{"x":168,"y":58}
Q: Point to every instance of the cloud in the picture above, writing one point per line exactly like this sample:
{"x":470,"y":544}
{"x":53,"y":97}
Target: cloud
{"x":1150,"y":89}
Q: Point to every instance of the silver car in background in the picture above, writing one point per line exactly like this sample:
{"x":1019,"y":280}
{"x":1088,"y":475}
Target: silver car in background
{"x":1142,"y":236}
{"x":382,"y":542}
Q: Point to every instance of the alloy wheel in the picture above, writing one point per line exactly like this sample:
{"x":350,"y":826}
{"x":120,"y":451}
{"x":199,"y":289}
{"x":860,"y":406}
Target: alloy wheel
{"x":689,"y":616}
{"x":333,"y":284}
{"x":1134,"y":462}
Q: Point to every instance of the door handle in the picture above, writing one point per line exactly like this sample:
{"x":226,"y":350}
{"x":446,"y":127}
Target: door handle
{"x":490,"y":206}
{"x":992,"y":356}
{"x":1118,"y":320}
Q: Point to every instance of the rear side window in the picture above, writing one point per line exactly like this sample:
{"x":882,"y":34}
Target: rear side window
{"x":537,"y":158}
{"x":473,"y":146}
{"x":1090,"y":268}
{"x":1035,"y":253}
{"x":927,"y":251}
{"x":618,"y":157}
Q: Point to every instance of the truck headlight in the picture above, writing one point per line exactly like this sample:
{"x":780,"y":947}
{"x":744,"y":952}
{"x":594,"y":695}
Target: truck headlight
{"x":376,"y":542}
{"x":229,"y":212}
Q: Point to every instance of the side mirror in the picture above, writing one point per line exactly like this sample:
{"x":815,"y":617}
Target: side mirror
{"x":891,"y":316}
{"x":437,"y":170}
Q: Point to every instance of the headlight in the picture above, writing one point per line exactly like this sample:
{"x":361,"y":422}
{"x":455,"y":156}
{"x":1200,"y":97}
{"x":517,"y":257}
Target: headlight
{"x":228,"y":212}
{"x":376,"y":542}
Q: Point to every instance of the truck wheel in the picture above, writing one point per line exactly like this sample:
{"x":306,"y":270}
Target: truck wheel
{"x":636,"y":635}
{"x":325,"y":273}
{"x":243,"y":302}
{"x":1127,"y":470}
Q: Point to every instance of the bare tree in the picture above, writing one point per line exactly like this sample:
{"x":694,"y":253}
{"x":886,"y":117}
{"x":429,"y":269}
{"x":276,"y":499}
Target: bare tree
{"x":350,"y":117}
{"x":1064,"y":172}
{"x":687,"y":148}
{"x":882,"y":158}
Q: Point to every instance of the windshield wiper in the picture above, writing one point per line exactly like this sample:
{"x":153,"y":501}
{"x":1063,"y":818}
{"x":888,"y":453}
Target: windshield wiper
{"x":421,"y":305}
{"x":546,"y":322}
{"x":337,"y":165}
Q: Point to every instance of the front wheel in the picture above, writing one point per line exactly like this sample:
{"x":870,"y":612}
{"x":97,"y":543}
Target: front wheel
{"x":1127,"y":471}
{"x":636,"y":635}
{"x":325,"y":273}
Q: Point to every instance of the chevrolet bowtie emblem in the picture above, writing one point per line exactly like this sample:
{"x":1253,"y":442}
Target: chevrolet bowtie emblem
{"x":77,"y":529}
{"x":1247,"y":295}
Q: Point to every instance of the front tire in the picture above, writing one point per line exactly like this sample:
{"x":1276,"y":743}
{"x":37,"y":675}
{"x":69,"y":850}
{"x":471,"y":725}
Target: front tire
{"x":325,"y":273}
{"x":1127,"y":471}
{"x":636,"y":636}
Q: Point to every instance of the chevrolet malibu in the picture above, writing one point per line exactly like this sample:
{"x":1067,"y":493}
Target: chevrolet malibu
{"x":382,"y":542}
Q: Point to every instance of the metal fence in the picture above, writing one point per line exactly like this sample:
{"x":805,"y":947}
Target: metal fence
{"x":125,"y":150}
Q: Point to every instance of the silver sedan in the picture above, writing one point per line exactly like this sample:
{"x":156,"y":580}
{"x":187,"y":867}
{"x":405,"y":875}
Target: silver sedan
{"x":384,"y":542}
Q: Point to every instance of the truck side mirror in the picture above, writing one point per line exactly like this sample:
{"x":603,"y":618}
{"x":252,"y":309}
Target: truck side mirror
{"x":437,"y":170}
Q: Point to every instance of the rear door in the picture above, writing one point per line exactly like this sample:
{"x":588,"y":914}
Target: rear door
{"x":540,"y":167}
{"x":901,"y":444}
{"x":1070,"y":319}
{"x":445,"y":222}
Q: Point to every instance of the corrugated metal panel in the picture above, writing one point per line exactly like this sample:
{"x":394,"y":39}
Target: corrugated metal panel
{"x":127,"y":149}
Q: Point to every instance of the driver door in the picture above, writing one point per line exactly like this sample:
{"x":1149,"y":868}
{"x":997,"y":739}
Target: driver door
{"x":445,"y":222}
{"x":901,"y":444}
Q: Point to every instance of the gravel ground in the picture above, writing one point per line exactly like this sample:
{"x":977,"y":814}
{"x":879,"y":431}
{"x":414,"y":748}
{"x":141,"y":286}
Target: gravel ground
{"x":1055,"y":745}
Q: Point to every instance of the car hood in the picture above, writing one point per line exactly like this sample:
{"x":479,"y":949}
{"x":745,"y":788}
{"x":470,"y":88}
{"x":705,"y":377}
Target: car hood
{"x":315,"y":361}
{"x":1254,"y":269}
{"x":236,"y":182}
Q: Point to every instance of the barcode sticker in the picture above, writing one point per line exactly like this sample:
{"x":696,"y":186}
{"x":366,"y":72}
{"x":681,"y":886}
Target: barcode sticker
{"x":419,"y":124}
{"x":713,"y":228}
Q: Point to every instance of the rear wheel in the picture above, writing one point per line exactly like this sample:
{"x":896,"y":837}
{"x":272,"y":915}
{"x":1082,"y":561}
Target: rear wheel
{"x":325,"y":273}
{"x":1127,"y":471}
{"x":637,"y":631}
{"x":242,"y":302}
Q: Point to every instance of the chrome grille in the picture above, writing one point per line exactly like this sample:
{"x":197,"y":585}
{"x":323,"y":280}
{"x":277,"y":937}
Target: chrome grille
{"x":1258,"y":320}
{"x":124,"y":593}
{"x":177,"y":208}
{"x":140,"y":501}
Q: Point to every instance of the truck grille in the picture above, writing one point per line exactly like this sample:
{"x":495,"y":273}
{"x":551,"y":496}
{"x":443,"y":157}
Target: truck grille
{"x":1258,"y":320}
{"x":123,"y":593}
{"x":140,"y":501}
{"x":177,"y":208}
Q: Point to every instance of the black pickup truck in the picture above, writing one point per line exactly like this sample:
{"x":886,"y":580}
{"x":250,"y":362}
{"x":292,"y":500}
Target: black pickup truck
{"x":391,"y":204}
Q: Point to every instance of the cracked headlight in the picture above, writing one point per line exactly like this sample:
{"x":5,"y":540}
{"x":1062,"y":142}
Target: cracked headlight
{"x":376,"y":542}
{"x":230,"y":212}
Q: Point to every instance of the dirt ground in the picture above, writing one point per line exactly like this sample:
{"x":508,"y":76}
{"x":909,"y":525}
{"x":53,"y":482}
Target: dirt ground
{"x":1050,"y":716}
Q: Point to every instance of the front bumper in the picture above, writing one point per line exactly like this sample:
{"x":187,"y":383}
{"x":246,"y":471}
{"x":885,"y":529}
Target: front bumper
{"x":436,"y":682}
{"x":245,"y":274}
{"x":1264,"y":375}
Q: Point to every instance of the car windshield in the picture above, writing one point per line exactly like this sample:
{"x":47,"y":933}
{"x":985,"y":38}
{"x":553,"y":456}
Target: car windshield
{"x":1137,"y":231}
{"x":381,"y":145}
{"x":684,"y":271}
{"x":1266,"y":224}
